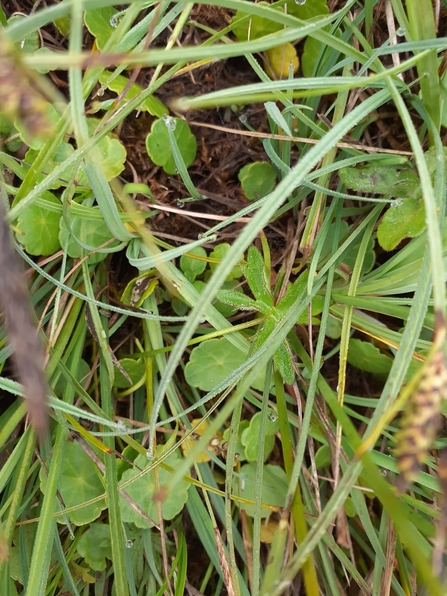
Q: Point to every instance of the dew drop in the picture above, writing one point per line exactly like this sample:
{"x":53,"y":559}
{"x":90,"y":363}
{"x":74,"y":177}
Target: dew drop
{"x":121,"y":427}
{"x":400,"y":32}
{"x":22,"y":44}
{"x":169,"y":121}
{"x":300,"y":2}
{"x":243,"y":118}
{"x":180,"y":204}
{"x":273,"y":417}
{"x":101,"y":91}
{"x":397,"y":203}
{"x":129,"y":543}
{"x":150,"y":455}
{"x":115,"y":20}
{"x":200,"y":236}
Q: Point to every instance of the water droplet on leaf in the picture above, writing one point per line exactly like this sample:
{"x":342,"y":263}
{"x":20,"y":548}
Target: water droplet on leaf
{"x":400,"y":32}
{"x":129,"y":543}
{"x":169,"y":121}
{"x":300,"y":2}
{"x":273,"y":417}
{"x":115,"y":20}
{"x":101,"y":91}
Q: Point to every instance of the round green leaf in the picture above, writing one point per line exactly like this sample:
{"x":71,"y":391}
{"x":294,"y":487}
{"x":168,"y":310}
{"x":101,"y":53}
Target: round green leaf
{"x":134,"y":368}
{"x":79,"y":483}
{"x":62,"y":153}
{"x":258,"y":26}
{"x":257,"y":179}
{"x":92,"y":232}
{"x":218,"y":254}
{"x":110,"y":152}
{"x":98,"y":22}
{"x":95,"y":546}
{"x":212,"y":361}
{"x":250,"y":437}
{"x":274,"y":487}
{"x":365,"y":356}
{"x":142,"y":491}
{"x":39,"y":227}
{"x":31,"y":42}
{"x":159,"y":149}
{"x":191,"y":265}
{"x":404,"y":219}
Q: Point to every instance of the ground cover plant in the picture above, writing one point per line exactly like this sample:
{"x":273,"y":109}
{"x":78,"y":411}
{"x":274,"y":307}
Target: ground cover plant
{"x":231,"y":219}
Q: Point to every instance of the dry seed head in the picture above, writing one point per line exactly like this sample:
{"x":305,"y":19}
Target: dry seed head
{"x":421,"y":419}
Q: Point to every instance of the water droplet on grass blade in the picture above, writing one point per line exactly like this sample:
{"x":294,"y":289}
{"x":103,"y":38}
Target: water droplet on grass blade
{"x":115,"y":20}
{"x":150,"y":455}
{"x":101,"y":91}
{"x":169,"y":121}
{"x":400,"y":32}
{"x":180,"y":204}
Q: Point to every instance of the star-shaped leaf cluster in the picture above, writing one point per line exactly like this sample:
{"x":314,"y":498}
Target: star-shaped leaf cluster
{"x":263,"y":303}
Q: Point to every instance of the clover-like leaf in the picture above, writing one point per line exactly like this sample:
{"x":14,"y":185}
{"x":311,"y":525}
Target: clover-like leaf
{"x":248,"y":26}
{"x":95,"y":546}
{"x":135,"y":369}
{"x":404,"y":219}
{"x":79,"y":483}
{"x":62,"y":153}
{"x":158,"y":145}
{"x":117,"y":84}
{"x":365,"y":356}
{"x":39,"y":227}
{"x":250,"y":437}
{"x":30,"y":43}
{"x":47,"y":113}
{"x":142,"y":491}
{"x":210,"y":362}
{"x":274,"y":488}
{"x":110,"y":152}
{"x":218,"y":254}
{"x":93,"y":232}
{"x":257,"y":179}
{"x":191,"y":265}
{"x":99,"y":22}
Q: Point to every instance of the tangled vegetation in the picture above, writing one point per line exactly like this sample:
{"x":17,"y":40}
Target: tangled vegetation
{"x":231,"y":219}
